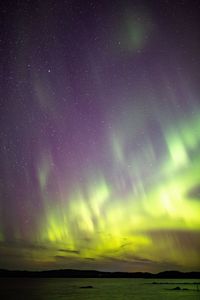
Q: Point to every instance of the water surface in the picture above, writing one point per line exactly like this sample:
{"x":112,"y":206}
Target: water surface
{"x":102,"y":289}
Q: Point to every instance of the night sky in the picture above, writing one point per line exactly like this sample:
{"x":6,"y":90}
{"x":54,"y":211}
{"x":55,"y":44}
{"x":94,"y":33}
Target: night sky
{"x":100,"y":135}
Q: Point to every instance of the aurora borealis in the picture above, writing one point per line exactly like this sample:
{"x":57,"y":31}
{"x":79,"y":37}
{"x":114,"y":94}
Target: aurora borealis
{"x":100,"y":135}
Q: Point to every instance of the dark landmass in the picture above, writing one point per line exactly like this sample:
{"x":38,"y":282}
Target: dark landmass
{"x":164,"y":282}
{"x":86,"y":287}
{"x":69,"y":273}
{"x":177,"y":288}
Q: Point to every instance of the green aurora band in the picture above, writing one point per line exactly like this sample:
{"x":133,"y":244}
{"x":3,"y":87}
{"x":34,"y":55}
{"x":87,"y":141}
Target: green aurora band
{"x":94,"y":222}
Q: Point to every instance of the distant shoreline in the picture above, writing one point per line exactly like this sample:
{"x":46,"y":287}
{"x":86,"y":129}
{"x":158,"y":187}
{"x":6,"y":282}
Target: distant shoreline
{"x":71,"y":273}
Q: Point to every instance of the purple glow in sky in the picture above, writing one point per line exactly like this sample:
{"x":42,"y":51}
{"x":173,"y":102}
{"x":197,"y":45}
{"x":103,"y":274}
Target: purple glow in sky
{"x":100,"y":135}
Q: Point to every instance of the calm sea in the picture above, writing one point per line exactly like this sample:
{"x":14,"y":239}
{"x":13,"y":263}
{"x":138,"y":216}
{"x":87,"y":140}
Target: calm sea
{"x":102,"y":289}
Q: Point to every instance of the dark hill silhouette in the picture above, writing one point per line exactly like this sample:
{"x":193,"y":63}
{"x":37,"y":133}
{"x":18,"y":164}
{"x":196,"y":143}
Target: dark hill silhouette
{"x":67,"y":273}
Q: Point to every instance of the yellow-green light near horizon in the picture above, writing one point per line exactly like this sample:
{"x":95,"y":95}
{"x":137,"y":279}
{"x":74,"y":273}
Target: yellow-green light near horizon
{"x":95,"y":221}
